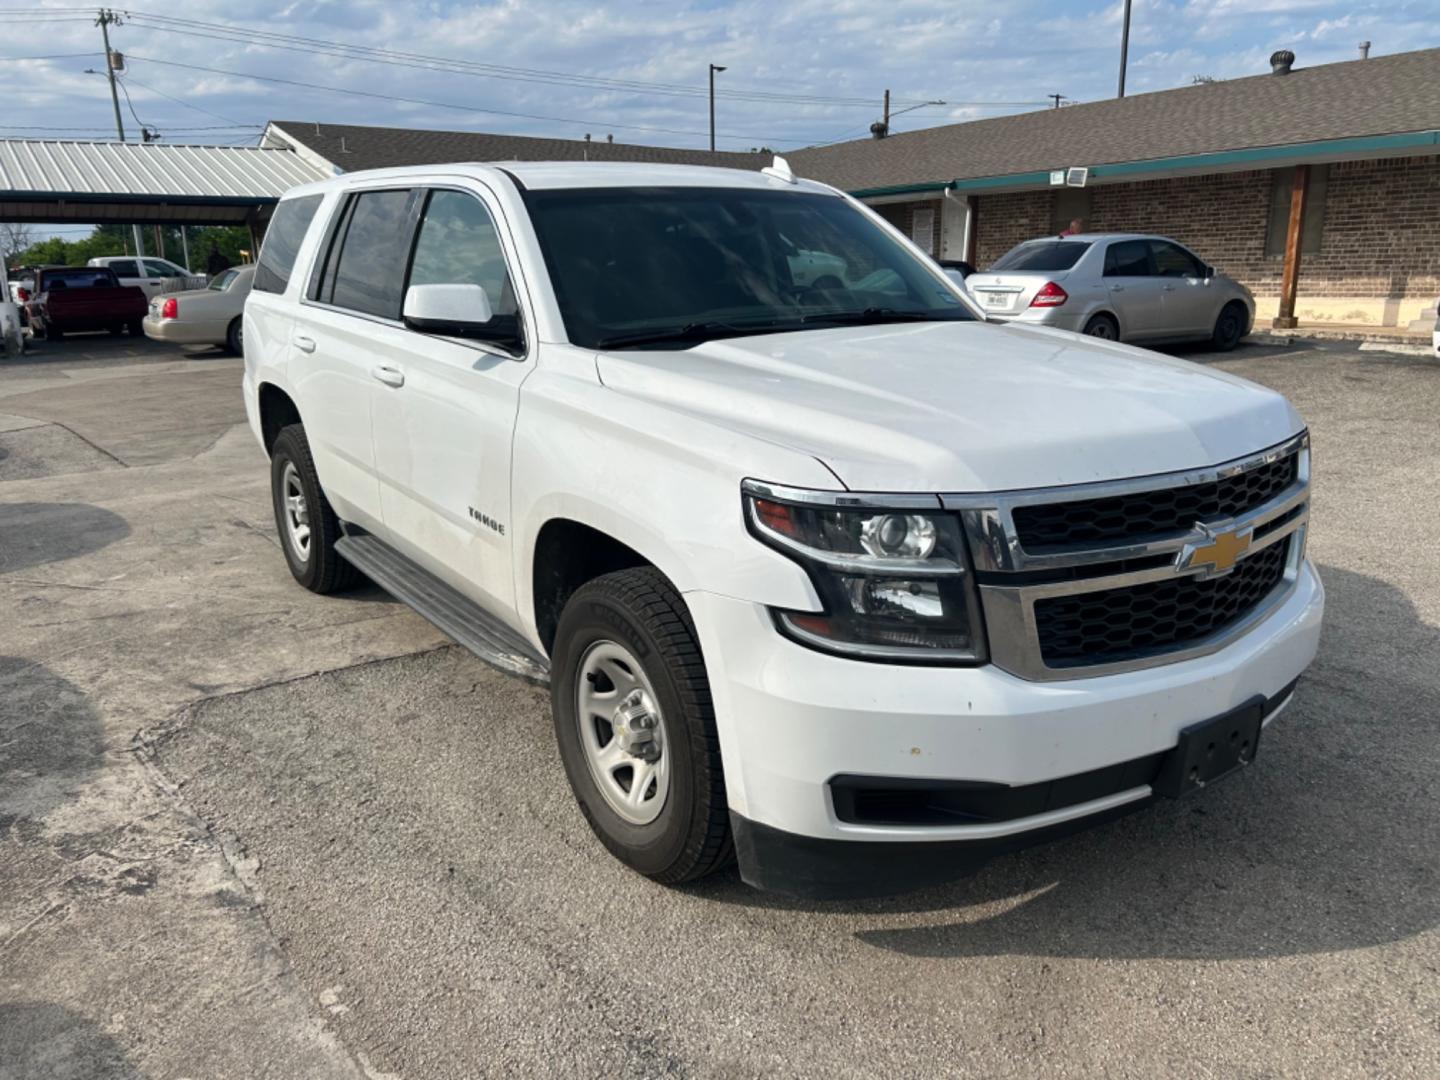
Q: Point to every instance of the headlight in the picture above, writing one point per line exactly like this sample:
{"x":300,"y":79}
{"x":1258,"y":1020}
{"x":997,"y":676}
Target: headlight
{"x":895,"y":581}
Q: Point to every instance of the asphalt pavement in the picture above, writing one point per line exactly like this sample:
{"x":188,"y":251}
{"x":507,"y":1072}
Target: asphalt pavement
{"x":250,"y":832}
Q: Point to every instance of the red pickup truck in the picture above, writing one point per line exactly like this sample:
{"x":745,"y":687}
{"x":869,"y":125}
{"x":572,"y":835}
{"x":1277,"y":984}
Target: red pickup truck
{"x":74,"y":298}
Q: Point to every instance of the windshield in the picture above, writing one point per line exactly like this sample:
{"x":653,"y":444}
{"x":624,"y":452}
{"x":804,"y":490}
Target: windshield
{"x":1042,"y":255}
{"x":638,"y":266}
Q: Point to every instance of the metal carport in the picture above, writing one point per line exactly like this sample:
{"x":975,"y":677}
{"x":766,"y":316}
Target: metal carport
{"x":45,"y":181}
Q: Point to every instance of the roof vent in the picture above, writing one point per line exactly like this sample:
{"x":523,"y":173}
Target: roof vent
{"x":879,"y":129}
{"x":1280,"y":61}
{"x":1364,"y":50}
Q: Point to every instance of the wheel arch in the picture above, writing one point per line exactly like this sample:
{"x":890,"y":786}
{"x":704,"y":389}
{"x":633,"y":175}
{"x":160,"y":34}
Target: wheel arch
{"x":277,"y":411}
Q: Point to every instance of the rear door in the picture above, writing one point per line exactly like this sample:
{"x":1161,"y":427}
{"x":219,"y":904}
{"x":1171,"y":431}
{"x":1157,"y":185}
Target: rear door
{"x":445,"y":418}
{"x":1134,"y":290}
{"x":1189,"y":303}
{"x":343,"y":342}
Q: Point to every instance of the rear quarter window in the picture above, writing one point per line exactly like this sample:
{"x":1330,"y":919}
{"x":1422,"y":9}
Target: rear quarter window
{"x":1042,"y":255}
{"x":282,"y":242}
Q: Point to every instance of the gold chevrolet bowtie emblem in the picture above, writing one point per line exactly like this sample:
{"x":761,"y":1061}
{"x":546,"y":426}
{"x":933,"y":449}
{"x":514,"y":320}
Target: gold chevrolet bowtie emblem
{"x":1217,"y":553}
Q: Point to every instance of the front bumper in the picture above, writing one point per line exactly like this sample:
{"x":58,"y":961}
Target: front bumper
{"x":792,"y":720}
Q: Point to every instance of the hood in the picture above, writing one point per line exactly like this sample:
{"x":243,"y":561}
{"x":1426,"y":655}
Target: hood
{"x":962,"y":406}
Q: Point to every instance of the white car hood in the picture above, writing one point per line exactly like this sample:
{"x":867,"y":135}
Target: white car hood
{"x":962,"y":406}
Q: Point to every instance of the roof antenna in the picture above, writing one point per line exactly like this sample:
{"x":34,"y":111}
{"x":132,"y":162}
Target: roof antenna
{"x":780,"y":170}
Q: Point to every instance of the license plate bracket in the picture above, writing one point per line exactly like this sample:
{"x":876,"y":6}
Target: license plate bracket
{"x":1210,"y":750}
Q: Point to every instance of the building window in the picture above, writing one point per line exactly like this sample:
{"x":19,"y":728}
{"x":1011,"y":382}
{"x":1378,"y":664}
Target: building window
{"x":1282,"y":186}
{"x":1069,"y":204}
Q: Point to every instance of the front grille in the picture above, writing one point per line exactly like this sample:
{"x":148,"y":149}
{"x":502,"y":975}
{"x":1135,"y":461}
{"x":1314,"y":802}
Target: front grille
{"x":1116,"y":625}
{"x":1145,"y":513}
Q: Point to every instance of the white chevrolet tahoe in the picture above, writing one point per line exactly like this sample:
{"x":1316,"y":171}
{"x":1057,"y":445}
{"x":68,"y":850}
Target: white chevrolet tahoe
{"x":826,"y":573}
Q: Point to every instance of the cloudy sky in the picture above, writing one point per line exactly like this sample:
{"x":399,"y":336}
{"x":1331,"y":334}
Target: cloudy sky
{"x":799,"y":71}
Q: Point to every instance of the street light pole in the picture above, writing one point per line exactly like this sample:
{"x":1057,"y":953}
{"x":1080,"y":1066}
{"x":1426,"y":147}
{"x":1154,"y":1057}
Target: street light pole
{"x":1124,"y":47}
{"x":713,"y":69}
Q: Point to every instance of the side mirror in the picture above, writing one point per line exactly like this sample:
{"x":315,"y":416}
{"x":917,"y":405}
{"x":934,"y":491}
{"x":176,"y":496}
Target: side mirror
{"x":1209,"y":271}
{"x":453,"y":310}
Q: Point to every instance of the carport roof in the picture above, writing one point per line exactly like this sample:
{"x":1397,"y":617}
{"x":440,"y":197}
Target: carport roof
{"x":1381,"y":107}
{"x":41,"y":179}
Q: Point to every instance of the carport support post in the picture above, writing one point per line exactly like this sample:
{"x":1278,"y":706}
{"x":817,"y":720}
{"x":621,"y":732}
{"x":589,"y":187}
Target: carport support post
{"x":1290,"y":277}
{"x":972,"y":227}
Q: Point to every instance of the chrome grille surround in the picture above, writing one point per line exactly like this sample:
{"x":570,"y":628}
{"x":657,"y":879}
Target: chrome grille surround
{"x":1009,"y":609}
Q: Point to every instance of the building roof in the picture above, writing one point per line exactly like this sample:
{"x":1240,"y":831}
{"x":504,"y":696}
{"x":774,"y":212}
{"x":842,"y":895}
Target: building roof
{"x":352,"y":148}
{"x":1383,"y":96}
{"x":42,"y":179}
{"x":46,"y":167}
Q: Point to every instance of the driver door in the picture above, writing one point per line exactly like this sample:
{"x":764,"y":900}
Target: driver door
{"x":444,"y":419}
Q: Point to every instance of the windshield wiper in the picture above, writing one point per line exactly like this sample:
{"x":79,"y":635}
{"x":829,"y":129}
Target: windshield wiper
{"x":872,"y":315}
{"x":692,"y":333}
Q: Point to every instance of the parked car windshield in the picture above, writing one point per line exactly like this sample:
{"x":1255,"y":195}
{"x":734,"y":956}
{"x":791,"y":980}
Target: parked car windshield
{"x":660,"y":266}
{"x":1041,"y":255}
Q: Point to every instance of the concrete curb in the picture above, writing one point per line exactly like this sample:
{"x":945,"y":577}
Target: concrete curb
{"x":1403,"y":350}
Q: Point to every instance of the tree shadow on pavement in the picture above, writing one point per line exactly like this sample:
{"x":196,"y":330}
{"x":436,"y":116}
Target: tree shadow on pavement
{"x":33,"y":534}
{"x":40,"y":1041}
{"x":1331,"y":842}
{"x":50,"y":738}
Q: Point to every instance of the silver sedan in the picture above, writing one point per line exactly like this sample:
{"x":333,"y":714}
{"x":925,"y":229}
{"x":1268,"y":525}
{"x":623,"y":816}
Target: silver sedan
{"x":1122,"y":286}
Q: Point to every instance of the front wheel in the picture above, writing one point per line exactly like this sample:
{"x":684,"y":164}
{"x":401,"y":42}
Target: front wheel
{"x":1229,"y":327}
{"x":636,"y":727}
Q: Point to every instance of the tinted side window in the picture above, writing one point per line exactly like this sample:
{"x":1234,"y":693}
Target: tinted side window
{"x":1128,"y":258}
{"x":282,"y":242}
{"x":125,"y":268}
{"x":1172,"y":261}
{"x":156,"y":268}
{"x":370,"y":272}
{"x":458,"y":245}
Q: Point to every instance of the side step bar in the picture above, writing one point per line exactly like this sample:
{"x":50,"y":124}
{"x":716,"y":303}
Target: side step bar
{"x":464,"y":620}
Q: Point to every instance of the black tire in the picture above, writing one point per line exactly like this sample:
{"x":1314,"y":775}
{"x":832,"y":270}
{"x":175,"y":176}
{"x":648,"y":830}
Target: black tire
{"x":53,"y":333}
{"x":1229,"y":327}
{"x":321,"y":569}
{"x":234,"y":336}
{"x":136,"y":327}
{"x":691,"y":836}
{"x":1103,"y":326}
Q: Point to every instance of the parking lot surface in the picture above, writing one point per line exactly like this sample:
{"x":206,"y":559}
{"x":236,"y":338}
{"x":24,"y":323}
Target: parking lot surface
{"x":250,"y":832}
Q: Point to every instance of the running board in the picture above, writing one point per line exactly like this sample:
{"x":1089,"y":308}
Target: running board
{"x":463,"y":619}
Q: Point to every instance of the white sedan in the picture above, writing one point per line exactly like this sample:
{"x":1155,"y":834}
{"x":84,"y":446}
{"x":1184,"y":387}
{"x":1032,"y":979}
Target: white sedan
{"x":209,"y":316}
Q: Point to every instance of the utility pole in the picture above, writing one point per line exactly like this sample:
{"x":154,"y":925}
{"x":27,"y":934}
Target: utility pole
{"x":713,"y":69}
{"x":104,"y":21}
{"x":1056,"y":98}
{"x":1124,"y":46}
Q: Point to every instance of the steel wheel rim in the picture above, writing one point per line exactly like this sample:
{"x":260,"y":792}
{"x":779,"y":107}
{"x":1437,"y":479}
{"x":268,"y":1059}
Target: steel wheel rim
{"x":622,"y":732}
{"x":296,"y":512}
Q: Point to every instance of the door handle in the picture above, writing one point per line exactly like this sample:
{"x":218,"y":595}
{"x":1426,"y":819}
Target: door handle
{"x":1117,"y":288}
{"x":1168,"y":288}
{"x":305,"y":344}
{"x":388,"y":375}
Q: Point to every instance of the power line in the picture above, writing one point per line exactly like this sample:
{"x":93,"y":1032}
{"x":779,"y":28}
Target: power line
{"x":188,"y":105}
{"x":51,"y":56}
{"x":439,"y":104}
{"x":272,"y":39}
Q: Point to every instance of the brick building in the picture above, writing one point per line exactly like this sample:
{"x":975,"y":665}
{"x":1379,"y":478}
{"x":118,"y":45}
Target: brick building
{"x":1217,"y":166}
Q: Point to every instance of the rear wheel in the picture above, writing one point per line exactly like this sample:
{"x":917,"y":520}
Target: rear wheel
{"x":307,"y":525}
{"x":54,"y":333}
{"x":1229,"y":327}
{"x":636,"y":727}
{"x":235,"y":336}
{"x":136,"y":327}
{"x":1103,"y":326}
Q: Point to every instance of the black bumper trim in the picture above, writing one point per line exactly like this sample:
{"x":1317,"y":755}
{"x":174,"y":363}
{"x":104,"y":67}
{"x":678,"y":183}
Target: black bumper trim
{"x":826,"y":869}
